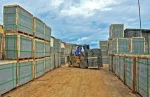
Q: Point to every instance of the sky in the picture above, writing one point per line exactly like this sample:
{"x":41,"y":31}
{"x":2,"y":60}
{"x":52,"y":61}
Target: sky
{"x":84,"y":21}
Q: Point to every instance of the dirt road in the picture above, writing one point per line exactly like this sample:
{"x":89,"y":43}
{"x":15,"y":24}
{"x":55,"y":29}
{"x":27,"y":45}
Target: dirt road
{"x":74,"y":82}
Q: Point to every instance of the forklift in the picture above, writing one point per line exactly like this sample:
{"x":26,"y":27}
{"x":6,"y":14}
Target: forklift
{"x":77,"y":61}
{"x":82,"y":60}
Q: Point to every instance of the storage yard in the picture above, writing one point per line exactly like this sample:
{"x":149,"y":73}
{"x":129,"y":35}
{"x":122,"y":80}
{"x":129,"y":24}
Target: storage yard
{"x":36,"y":64}
{"x":75,"y":82}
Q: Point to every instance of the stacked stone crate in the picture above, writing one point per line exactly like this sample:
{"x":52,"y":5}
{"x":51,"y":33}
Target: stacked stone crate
{"x":128,"y":62}
{"x":130,"y":33}
{"x":56,"y":52}
{"x":115,"y":31}
{"x":41,"y":46}
{"x":18,"y":47}
{"x":52,"y":53}
{"x":104,"y":51}
{"x":26,"y":47}
{"x":94,"y":58}
{"x":63,"y":56}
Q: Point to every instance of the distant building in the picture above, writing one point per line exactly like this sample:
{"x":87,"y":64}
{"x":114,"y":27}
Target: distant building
{"x":136,"y":33}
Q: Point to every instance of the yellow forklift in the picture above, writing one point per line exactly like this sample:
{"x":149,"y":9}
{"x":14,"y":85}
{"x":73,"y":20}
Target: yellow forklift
{"x":77,"y":61}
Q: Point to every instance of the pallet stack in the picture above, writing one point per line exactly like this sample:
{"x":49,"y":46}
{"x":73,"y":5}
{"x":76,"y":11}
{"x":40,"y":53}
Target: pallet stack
{"x":29,"y":50}
{"x":18,"y":48}
{"x":121,"y":45}
{"x":104,"y":50}
{"x":94,"y":58}
{"x":56,"y":52}
{"x":18,"y":44}
{"x":41,"y":46}
{"x":128,"y":62}
{"x":134,"y":71}
{"x":63,"y":56}
{"x":128,"y":33}
{"x":26,"y":53}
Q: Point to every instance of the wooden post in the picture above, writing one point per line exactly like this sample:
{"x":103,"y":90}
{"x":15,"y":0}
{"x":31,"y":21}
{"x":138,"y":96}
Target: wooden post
{"x":134,"y":75}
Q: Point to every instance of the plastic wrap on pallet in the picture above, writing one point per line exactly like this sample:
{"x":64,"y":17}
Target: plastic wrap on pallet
{"x":116,"y":31}
{"x":95,"y":58}
{"x":143,"y":76}
{"x":39,"y":67}
{"x":7,"y":76}
{"x":39,"y":48}
{"x":47,"y":64}
{"x":25,"y":71}
{"x":47,"y":33}
{"x":95,"y":53}
{"x":138,"y":45}
{"x":39,"y":28}
{"x":18,"y":46}
{"x":128,"y":71}
{"x":17,"y":18}
{"x":95,"y":62}
{"x":121,"y":67}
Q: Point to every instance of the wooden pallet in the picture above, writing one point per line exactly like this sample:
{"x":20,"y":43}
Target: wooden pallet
{"x":34,"y":65}
{"x":18,"y":32}
{"x":19,"y":58}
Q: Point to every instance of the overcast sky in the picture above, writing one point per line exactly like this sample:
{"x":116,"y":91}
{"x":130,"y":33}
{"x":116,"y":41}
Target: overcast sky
{"x":84,"y":21}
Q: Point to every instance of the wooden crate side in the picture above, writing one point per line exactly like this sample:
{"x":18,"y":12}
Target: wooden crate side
{"x":39,"y":67}
{"x":47,"y":64}
{"x":21,"y":19}
{"x":8,"y":76}
{"x":20,"y":49}
{"x":39,"y":28}
{"x":47,"y":33}
{"x":138,"y":45}
{"x":121,"y":67}
{"x":47,"y":48}
{"x":25,"y":71}
{"x":143,"y":76}
{"x":39,"y":50}
{"x":130,"y":72}
{"x":15,"y":5}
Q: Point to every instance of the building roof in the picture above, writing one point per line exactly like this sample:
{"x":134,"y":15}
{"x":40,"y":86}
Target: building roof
{"x":132,"y":29}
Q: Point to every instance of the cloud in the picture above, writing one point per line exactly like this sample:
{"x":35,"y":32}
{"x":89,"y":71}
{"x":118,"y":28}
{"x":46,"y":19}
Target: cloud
{"x":87,"y":7}
{"x":84,"y":21}
{"x":82,"y":39}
